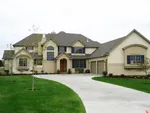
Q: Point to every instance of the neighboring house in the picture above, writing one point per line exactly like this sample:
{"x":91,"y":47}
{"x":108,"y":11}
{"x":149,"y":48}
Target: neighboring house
{"x":51,"y":52}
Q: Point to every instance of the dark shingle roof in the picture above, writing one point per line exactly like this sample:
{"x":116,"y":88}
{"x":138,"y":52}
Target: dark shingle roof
{"x":61,"y":39}
{"x":105,"y":48}
{"x":8,"y":54}
{"x":31,"y":40}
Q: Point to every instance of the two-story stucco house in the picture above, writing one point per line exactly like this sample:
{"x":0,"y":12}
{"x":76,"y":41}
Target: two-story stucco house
{"x":48,"y":53}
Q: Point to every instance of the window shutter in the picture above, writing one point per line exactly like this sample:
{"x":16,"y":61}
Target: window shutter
{"x":65,"y":49}
{"x":83,"y":50}
{"x":84,"y":63}
{"x":73,"y":64}
{"x":72,"y":49}
{"x":142,"y":58}
{"x":58,"y":49}
{"x":128,"y":59}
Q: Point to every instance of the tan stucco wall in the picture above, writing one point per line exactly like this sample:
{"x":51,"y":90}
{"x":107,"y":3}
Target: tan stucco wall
{"x":35,"y":49}
{"x":98,"y":59}
{"x":8,"y":65}
{"x":89,"y":50}
{"x":78,"y":44}
{"x":116,"y":59}
{"x":49,"y":43}
{"x":17,"y":49}
{"x":16,"y":63}
{"x":68,"y":50}
{"x":38,"y":68}
{"x":49,"y":66}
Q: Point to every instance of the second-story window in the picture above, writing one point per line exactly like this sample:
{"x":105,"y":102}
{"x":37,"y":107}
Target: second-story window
{"x":78,"y":50}
{"x":50,"y":48}
{"x":61,"y":49}
{"x":50,"y":56}
{"x":50,"y":53}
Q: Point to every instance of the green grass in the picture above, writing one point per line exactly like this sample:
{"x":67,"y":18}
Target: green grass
{"x":50,"y":96}
{"x":138,"y":84}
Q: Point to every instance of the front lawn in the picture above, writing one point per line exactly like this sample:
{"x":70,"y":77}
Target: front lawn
{"x":49,"y":96}
{"x":138,"y":84}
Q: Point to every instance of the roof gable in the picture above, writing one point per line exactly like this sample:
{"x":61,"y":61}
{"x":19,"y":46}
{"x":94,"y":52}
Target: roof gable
{"x":78,"y":43}
{"x":106,"y":48}
{"x":23,"y":54}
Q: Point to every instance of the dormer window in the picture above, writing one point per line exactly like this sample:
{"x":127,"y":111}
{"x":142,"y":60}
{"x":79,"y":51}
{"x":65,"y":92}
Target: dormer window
{"x":78,"y":50}
{"x":61,"y":49}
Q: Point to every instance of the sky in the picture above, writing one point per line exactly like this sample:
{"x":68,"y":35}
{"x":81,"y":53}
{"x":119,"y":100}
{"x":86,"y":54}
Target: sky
{"x":99,"y":20}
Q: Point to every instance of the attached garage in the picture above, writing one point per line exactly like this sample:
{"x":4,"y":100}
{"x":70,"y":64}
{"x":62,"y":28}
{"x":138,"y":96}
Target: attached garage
{"x":93,"y":67}
{"x":100,"y":67}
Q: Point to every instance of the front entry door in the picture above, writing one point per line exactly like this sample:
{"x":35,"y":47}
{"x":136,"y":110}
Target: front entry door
{"x":63,"y":65}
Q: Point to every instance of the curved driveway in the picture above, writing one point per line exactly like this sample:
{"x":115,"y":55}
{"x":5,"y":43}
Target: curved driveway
{"x":99,"y":97}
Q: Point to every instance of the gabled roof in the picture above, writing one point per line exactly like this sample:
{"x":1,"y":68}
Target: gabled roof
{"x":105,"y":48}
{"x":23,"y":50}
{"x":31,"y":40}
{"x":62,"y":54}
{"x":61,"y":39}
{"x":8,"y":54}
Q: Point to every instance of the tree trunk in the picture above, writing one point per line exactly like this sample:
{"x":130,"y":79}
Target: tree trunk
{"x":33,"y":84}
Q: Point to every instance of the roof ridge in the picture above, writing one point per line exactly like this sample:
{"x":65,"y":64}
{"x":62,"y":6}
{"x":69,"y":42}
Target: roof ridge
{"x":113,"y":40}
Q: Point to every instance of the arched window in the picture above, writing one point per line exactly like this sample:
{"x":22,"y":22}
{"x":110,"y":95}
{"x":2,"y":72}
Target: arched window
{"x":50,"y":48}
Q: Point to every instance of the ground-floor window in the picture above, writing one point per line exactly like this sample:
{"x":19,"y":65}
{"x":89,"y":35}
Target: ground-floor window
{"x":77,"y":63}
{"x":23,"y":62}
{"x":135,"y":59}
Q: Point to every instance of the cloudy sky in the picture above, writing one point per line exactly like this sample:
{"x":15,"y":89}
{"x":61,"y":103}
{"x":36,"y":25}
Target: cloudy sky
{"x":100,"y":20}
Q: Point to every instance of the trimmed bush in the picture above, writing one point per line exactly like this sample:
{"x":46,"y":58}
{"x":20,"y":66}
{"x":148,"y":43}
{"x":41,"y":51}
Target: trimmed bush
{"x":69,"y":71}
{"x":58,"y":71}
{"x":122,"y":75}
{"x":104,"y":73}
{"x":81,"y":70}
{"x":110,"y":74}
{"x":87,"y":71}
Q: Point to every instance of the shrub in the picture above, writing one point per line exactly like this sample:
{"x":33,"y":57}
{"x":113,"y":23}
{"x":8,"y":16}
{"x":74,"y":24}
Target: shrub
{"x":122,"y":75}
{"x":42,"y":71}
{"x":104,"y":73}
{"x":87,"y":71}
{"x":81,"y":70}
{"x":77,"y":70}
{"x":110,"y":74}
{"x":69,"y":71}
{"x":35,"y":72}
{"x":6,"y":71}
{"x":58,"y":71}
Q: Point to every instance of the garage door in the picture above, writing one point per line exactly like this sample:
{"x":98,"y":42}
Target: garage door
{"x":93,"y":67}
{"x":100,"y":67}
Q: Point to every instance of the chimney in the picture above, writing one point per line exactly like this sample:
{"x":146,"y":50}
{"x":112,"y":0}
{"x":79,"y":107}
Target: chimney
{"x":43,"y":38}
{"x":87,"y":40}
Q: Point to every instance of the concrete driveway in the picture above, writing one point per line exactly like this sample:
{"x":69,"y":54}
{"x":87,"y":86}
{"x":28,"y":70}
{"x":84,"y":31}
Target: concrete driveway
{"x":99,"y":97}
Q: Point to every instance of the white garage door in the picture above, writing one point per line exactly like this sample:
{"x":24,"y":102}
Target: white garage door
{"x":93,"y":67}
{"x":100,"y":67}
